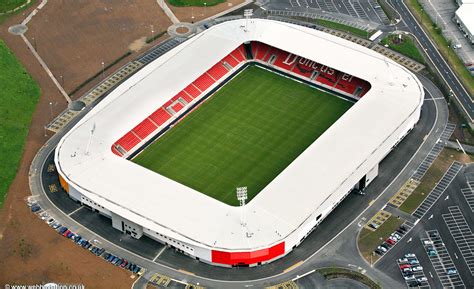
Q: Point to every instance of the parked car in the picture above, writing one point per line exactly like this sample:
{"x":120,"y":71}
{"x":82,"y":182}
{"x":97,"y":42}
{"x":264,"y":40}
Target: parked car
{"x":374,"y":226}
{"x":56,"y":225}
{"x":101,"y":251}
{"x":413,"y":283}
{"x":409,"y":277}
{"x":410,"y":255}
{"x":428,"y":242}
{"x":66,"y":233}
{"x":413,"y":261}
{"x":385,"y":245}
{"x":125,"y":262}
{"x":379,"y":252}
{"x":381,"y":248}
{"x":432,"y":253}
{"x":433,"y":234}
{"x":106,"y":256}
{"x":390,"y":241}
{"x":136,"y":269}
{"x":35,"y":208}
{"x":403,"y":260}
{"x":403,"y":228}
{"x":422,"y":279}
{"x":399,"y":231}
{"x":405,"y":266}
{"x":62,"y":230}
{"x":417,"y":268}
{"x":451,"y":271}
{"x":396,"y":236}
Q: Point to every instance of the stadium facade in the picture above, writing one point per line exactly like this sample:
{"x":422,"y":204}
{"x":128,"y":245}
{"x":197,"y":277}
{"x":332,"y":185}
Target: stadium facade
{"x":92,"y":159}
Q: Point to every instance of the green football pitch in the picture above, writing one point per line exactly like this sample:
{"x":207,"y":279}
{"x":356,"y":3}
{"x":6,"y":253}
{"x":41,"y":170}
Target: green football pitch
{"x":244,"y":135}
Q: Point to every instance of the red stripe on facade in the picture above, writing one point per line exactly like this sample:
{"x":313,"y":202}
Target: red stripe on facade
{"x":248,"y":258}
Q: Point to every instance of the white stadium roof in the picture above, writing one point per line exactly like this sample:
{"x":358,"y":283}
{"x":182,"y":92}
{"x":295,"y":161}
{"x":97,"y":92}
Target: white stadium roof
{"x":330,"y":164}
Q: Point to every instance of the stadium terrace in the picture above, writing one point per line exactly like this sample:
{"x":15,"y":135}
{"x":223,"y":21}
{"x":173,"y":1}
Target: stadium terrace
{"x":93,"y":158}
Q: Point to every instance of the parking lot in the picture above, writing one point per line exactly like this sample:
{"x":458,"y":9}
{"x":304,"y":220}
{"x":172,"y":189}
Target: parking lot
{"x":363,"y":9}
{"x":441,"y":260}
{"x":446,"y":225}
{"x":462,"y":234}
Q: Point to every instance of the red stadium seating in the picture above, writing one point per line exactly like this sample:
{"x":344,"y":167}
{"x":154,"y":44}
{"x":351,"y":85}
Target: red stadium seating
{"x":177,"y":106}
{"x":160,"y":116}
{"x":217,"y":71}
{"x":280,"y":61}
{"x":239,"y":53}
{"x":115,"y":151}
{"x":182,"y":95}
{"x":230,"y":60}
{"x":192,"y":91}
{"x":145,"y":128}
{"x":327,"y":75}
{"x":204,"y":82}
{"x":284,"y":60}
{"x":128,"y":141}
{"x":261,"y":50}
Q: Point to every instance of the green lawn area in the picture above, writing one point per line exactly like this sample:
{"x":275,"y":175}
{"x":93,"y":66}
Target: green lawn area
{"x":342,"y":27}
{"x":337,"y":272}
{"x":432,"y":176}
{"x":442,"y":44}
{"x":186,"y":3}
{"x":370,"y":240}
{"x":405,"y":46}
{"x":7,"y":5}
{"x":19,"y":94}
{"x":245,"y":135}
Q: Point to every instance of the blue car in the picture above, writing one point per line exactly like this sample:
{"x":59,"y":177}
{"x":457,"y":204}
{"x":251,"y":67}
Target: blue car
{"x":136,"y":269}
{"x":62,"y":230}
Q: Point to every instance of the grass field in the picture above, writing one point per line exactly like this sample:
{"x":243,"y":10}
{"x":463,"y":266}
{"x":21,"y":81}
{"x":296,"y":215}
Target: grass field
{"x":342,"y":27}
{"x":186,"y":3}
{"x":7,"y":5}
{"x":245,"y":135}
{"x":405,"y":46}
{"x":19,"y":94}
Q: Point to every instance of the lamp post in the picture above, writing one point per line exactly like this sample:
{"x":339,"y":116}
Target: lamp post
{"x":103,"y":69}
{"x":242,"y":197}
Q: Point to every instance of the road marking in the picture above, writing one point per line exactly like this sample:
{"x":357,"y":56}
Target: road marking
{"x":371,"y":203}
{"x":159,"y":253}
{"x":186,"y":272}
{"x":75,"y":210}
{"x":293,"y":266}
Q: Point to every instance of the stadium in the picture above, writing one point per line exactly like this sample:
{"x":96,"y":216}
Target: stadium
{"x":296,"y":116}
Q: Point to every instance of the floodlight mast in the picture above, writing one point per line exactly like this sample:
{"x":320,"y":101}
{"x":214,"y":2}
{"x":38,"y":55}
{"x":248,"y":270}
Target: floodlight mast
{"x":242,"y":197}
{"x":247,"y":14}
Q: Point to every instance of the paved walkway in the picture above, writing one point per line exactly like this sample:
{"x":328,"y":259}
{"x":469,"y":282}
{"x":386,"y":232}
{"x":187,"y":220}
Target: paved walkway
{"x":168,"y":11}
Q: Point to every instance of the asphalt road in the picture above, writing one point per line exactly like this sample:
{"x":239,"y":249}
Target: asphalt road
{"x":443,"y":68}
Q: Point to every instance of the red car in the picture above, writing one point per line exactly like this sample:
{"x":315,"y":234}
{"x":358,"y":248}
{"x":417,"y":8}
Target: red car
{"x":390,"y":241}
{"x":67,"y":232}
{"x":405,"y":266}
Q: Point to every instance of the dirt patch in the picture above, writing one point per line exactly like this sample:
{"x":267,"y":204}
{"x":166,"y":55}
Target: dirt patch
{"x":30,"y":251}
{"x":194,"y":14}
{"x":138,"y":44}
{"x":75,"y":37}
